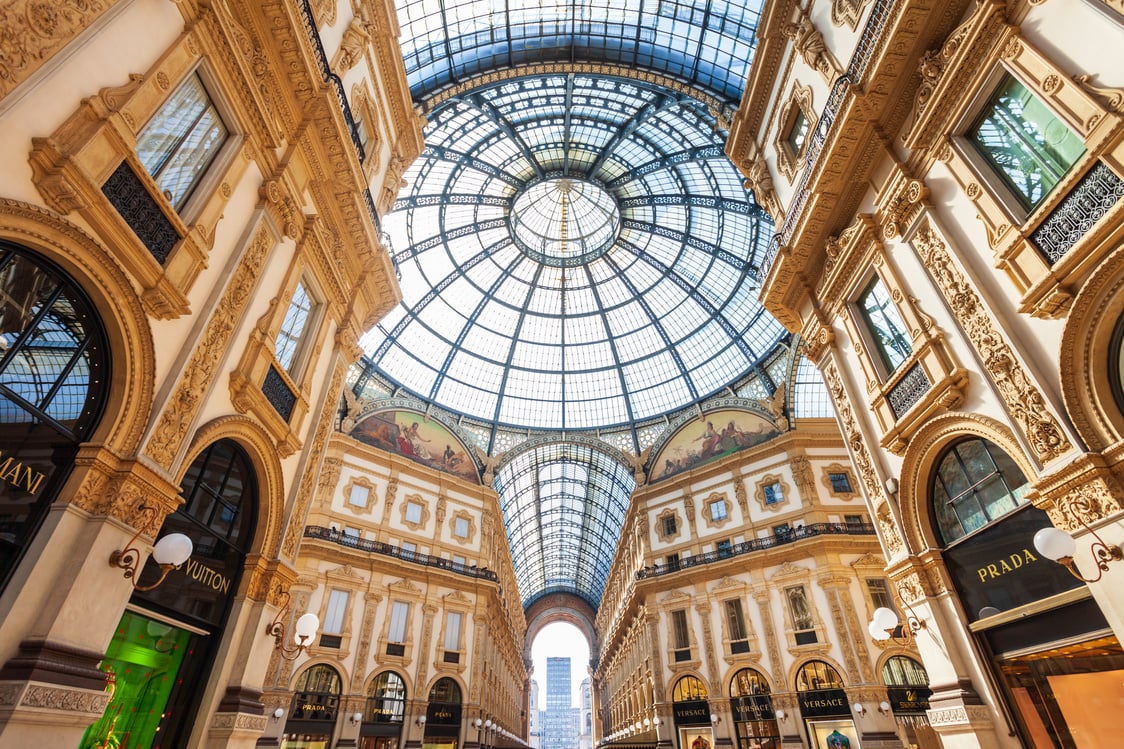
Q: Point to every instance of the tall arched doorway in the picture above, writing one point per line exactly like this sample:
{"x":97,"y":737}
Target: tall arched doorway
{"x":443,"y":715}
{"x":54,"y":371}
{"x":384,"y":713}
{"x":755,"y":721}
{"x":314,"y":710}
{"x":163,"y":648}
{"x":824,"y":706}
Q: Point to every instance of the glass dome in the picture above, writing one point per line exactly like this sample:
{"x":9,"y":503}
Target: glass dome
{"x":576,"y":253}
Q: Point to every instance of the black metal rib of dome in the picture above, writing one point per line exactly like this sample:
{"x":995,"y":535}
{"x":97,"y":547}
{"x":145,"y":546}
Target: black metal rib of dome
{"x":576,"y":334}
{"x":708,"y":45}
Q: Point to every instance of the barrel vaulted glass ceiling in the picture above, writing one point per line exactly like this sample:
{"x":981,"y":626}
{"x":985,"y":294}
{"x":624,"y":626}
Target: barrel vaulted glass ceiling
{"x":576,"y":252}
{"x":708,"y":44}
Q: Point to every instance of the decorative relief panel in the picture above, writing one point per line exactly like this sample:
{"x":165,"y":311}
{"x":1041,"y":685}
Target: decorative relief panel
{"x":171,"y":430}
{"x":34,"y":31}
{"x":1023,"y":400}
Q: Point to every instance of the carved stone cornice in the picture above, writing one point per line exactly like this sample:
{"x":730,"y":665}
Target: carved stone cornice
{"x":946,"y":72}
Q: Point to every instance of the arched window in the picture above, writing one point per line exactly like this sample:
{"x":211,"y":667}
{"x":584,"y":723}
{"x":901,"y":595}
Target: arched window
{"x":445,"y":690}
{"x":900,"y":671}
{"x":817,"y":675}
{"x":975,"y":483}
{"x":1116,"y":363}
{"x":688,"y":688}
{"x":748,"y":682}
{"x":316,"y":695}
{"x":54,"y":371}
{"x":386,"y":700}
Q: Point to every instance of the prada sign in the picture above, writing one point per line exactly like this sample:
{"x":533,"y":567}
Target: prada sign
{"x":822,"y":703}
{"x":691,"y":713}
{"x":443,"y":719}
{"x":999,"y":567}
{"x":753,"y":707}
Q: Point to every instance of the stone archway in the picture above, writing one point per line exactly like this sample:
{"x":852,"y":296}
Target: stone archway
{"x":561,"y":607}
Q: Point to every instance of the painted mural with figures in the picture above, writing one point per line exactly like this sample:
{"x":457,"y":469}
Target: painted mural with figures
{"x":423,"y":440}
{"x":715,"y":435}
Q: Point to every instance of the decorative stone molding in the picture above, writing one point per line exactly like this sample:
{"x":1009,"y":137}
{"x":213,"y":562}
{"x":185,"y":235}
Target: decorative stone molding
{"x":839,"y":468}
{"x":920,"y":461}
{"x":860,"y":455}
{"x":35,"y":31}
{"x":769,"y":480}
{"x":94,"y":268}
{"x":167,"y":437}
{"x":716,"y":498}
{"x":799,"y":103}
{"x":668,"y":537}
{"x":947,"y":72}
{"x":809,"y":44}
{"x":239,"y":722}
{"x":847,"y":12}
{"x":51,"y":697}
{"x":1020,"y":396}
{"x":315,"y":454}
{"x":419,"y":501}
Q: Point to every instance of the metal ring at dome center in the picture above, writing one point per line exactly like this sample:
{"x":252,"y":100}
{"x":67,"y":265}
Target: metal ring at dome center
{"x":564,"y":221}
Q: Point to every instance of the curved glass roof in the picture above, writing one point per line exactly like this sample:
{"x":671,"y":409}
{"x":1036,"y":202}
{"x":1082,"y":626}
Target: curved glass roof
{"x":563,"y":505}
{"x":576,"y":252}
{"x":707,"y":44}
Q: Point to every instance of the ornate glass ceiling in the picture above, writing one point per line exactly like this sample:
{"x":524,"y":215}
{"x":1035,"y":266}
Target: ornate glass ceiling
{"x":563,"y":505}
{"x":576,"y":253}
{"x":706,"y":44}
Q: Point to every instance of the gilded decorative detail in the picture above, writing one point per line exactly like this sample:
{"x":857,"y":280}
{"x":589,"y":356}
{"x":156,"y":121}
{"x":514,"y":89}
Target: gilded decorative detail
{"x":810,"y":45}
{"x":198,"y":375}
{"x":316,"y":450}
{"x":1087,"y":503}
{"x":1111,"y":99}
{"x":32,"y":32}
{"x":369,"y":609}
{"x":847,"y":12}
{"x":862,"y":459}
{"x":238,"y":722}
{"x":69,"y":700}
{"x":1022,"y":399}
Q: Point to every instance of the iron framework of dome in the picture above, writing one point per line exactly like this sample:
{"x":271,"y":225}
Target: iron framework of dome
{"x":577,"y":255}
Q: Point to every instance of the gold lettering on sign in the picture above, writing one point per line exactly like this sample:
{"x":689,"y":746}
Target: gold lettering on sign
{"x":1005,"y":565}
{"x":20,"y":476}
{"x":204,"y":574}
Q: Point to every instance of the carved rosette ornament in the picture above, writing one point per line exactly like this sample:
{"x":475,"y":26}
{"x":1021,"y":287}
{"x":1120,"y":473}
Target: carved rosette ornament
{"x":171,"y":430}
{"x":1023,"y":400}
{"x":862,"y":460}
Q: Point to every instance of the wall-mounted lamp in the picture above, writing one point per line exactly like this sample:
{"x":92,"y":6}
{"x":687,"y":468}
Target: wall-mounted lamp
{"x":647,"y":722}
{"x":478,"y":723}
{"x":1058,"y":546}
{"x":782,"y":716}
{"x":859,"y":708}
{"x":303,"y":632}
{"x":421,"y":720}
{"x":883,"y":707}
{"x":884,"y":624}
{"x":279,"y":713}
{"x":169,"y":552}
{"x":715,"y":718}
{"x":656,"y":721}
{"x":356,"y":717}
